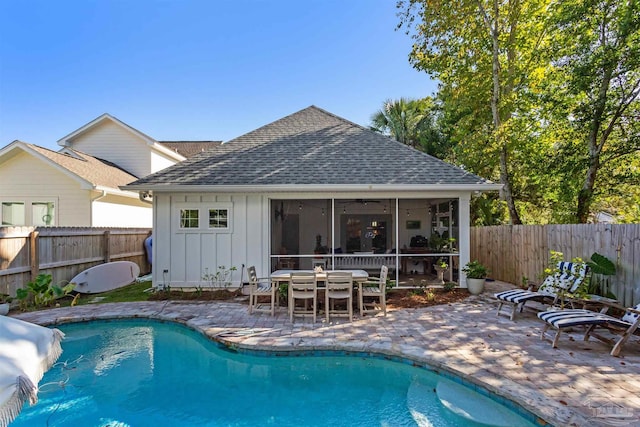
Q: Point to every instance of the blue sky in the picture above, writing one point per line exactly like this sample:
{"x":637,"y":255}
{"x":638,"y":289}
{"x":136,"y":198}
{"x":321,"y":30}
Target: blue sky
{"x":196,"y":70}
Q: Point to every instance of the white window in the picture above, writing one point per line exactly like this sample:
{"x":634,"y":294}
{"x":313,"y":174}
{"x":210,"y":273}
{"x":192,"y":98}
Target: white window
{"x":218,"y":218}
{"x":13,"y":213}
{"x":189,"y":218}
{"x":43,"y":213}
{"x":204,"y":217}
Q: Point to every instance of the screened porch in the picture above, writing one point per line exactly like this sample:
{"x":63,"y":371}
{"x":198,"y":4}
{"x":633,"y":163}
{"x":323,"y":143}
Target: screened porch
{"x":418,"y":239}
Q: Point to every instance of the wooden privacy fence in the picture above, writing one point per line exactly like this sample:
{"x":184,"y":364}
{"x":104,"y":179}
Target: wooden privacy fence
{"x":515,"y":251}
{"x":64,"y":252}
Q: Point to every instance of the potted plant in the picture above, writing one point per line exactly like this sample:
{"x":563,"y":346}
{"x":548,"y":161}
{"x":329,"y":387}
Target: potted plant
{"x":5,"y":301}
{"x":441,"y":266}
{"x":476,"y":274}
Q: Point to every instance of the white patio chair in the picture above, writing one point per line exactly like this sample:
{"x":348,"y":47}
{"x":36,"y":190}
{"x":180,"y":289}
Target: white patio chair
{"x":375,"y":288}
{"x":303,"y":286}
{"x":339,"y":286}
{"x":260,"y":287}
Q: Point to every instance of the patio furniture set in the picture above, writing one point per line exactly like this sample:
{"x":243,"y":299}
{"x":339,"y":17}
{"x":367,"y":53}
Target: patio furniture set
{"x":307,"y":288}
{"x":559,"y":288}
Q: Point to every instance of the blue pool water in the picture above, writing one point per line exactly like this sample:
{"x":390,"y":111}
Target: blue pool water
{"x":147,"y":373}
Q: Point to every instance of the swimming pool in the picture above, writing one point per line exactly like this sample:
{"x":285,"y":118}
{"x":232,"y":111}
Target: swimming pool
{"x":149,"y":373}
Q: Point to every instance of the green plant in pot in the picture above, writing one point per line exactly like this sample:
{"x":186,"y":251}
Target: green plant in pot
{"x":476,"y":274}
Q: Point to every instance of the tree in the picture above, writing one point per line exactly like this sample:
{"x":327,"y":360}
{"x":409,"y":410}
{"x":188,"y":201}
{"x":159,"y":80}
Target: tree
{"x":597,"y":59}
{"x":412,"y":122}
{"x":485,"y":53}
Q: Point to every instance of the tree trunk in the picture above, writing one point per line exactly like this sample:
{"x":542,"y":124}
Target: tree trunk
{"x":585,"y":196}
{"x":505,"y":179}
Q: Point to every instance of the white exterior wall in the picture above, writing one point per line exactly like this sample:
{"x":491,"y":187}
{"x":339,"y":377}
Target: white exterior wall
{"x":112,"y":142}
{"x":182,"y":257}
{"x":26,"y":178}
{"x":187,"y":255}
{"x":111,"y":211}
{"x":160,"y":161}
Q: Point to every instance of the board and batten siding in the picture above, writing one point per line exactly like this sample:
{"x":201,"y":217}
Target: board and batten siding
{"x":118,"y":145}
{"x":188,"y":256}
{"x":25,"y":178}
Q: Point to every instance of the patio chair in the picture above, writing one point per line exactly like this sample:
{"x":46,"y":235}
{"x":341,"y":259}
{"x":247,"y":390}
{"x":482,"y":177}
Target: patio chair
{"x":375,"y":288}
{"x":339,"y":286}
{"x":569,"y":277}
{"x":260,"y":287}
{"x":303,"y":286}
{"x":625,"y":326}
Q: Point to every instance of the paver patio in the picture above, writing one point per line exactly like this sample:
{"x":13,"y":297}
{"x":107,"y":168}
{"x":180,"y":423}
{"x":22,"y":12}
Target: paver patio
{"x":579,"y":384}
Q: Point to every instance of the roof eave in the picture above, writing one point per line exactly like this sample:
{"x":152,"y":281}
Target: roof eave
{"x":311,"y":188}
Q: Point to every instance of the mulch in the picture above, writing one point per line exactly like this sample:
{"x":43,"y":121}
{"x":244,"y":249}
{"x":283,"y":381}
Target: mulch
{"x":414,"y":298}
{"x":397,"y":298}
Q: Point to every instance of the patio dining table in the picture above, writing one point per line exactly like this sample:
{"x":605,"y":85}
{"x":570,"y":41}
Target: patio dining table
{"x":279,"y":276}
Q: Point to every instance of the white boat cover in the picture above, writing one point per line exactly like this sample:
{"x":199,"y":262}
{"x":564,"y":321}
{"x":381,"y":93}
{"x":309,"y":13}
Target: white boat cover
{"x":27,"y":351}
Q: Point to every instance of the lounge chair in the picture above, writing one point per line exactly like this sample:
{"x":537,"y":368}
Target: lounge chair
{"x":569,"y":277}
{"x":625,"y":326}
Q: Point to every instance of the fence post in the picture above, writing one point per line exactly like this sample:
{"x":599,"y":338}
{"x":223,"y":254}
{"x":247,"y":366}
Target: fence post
{"x":107,"y":246}
{"x":34,"y":259}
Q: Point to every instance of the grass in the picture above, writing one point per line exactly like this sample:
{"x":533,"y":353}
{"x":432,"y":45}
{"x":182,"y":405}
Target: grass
{"x":130,"y":293}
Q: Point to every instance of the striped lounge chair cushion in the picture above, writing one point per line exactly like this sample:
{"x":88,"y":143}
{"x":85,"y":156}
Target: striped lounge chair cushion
{"x":560,"y":319}
{"x":569,"y":276}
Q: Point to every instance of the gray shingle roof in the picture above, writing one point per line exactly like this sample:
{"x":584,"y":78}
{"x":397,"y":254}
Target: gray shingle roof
{"x":310,"y":147}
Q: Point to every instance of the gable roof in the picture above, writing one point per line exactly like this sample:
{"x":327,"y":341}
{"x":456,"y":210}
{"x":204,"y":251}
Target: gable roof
{"x":90,"y":171}
{"x":189,"y":148}
{"x":312,"y":150}
{"x":66,"y":141}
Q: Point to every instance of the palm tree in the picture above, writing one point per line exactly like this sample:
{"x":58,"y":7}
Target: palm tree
{"x":400,"y":119}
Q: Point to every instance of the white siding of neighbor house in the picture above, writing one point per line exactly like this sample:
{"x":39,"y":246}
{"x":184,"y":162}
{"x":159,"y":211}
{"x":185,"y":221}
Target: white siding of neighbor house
{"x":112,"y":142}
{"x":113,"y":211}
{"x":26,"y":178}
{"x":159,"y":161}
{"x":186,"y":255}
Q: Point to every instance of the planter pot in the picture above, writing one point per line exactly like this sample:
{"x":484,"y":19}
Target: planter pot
{"x":4,"y":309}
{"x":475,"y":286}
{"x":440,"y":271}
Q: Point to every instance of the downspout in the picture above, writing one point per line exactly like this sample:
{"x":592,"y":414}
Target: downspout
{"x":95,"y":199}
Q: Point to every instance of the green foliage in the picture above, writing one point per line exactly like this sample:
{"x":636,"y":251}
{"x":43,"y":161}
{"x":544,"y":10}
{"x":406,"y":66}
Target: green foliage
{"x":554,"y":271}
{"x":598,"y":284}
{"x":475,"y":270}
{"x":541,"y":96}
{"x":222,"y":277}
{"x":449,"y":286}
{"x":41,"y":292}
{"x":600,"y":264}
{"x":5,"y":298}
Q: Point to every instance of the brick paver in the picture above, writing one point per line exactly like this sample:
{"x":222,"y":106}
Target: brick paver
{"x":574,"y":385}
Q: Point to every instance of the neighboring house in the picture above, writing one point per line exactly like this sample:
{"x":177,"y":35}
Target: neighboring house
{"x":79,"y":185}
{"x":311,"y":187}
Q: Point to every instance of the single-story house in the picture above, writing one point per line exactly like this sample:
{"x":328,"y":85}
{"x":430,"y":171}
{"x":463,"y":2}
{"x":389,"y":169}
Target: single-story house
{"x":79,"y":185}
{"x":309,"y":188}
